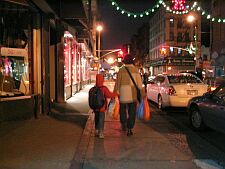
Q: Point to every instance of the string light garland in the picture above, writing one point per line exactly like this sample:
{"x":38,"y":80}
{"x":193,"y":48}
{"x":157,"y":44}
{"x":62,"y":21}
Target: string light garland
{"x":136,"y":14}
{"x":208,"y":16}
{"x":179,"y":7}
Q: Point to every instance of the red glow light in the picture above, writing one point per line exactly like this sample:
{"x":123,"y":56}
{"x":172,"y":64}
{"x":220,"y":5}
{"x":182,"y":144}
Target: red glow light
{"x":179,"y":5}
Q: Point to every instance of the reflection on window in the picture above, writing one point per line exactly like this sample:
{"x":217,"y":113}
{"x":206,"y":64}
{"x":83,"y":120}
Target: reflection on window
{"x":14,"y":80}
{"x":221,"y":93}
{"x":183,"y":79}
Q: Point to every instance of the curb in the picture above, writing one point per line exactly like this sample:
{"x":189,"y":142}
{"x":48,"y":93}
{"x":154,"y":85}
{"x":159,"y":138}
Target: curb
{"x":80,"y":154}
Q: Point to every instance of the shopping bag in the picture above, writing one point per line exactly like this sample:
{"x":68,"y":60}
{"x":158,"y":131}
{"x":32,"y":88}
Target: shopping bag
{"x":147,"y":112}
{"x":116,"y":112}
{"x":111,"y":107}
{"x":140,"y":110}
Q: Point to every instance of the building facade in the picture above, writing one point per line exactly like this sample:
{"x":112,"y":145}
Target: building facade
{"x":218,"y":38}
{"x":174,"y":43}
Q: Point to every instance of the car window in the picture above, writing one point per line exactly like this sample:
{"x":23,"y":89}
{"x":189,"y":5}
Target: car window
{"x":221,"y":93}
{"x":183,"y":79}
{"x":159,"y":79}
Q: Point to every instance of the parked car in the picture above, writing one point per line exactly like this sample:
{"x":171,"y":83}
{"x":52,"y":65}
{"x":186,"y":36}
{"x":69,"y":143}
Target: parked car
{"x":208,"y":110}
{"x":175,"y":90}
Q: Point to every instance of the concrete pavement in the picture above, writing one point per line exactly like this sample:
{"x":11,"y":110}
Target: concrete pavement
{"x":65,"y":140}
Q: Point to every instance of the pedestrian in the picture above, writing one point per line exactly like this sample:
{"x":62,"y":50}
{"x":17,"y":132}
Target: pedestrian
{"x":145,"y":79}
{"x":127,"y":91}
{"x":100,"y":114}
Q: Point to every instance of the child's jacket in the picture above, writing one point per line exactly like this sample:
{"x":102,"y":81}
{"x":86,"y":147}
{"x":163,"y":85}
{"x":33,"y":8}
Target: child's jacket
{"x":105,"y":90}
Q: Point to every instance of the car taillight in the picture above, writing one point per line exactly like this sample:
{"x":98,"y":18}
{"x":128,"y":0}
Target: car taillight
{"x":213,"y":88}
{"x":171,"y":91}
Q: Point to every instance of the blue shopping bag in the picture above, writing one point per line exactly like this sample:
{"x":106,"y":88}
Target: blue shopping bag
{"x":140,"y":110}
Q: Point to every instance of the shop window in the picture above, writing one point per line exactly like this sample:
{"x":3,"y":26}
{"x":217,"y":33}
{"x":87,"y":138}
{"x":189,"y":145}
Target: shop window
{"x":74,"y":61}
{"x":78,"y":63}
{"x":14,"y":67}
{"x":14,"y":76}
{"x":67,"y":57}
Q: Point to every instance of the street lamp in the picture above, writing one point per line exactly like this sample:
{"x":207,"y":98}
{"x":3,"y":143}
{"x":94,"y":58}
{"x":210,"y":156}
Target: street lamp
{"x":99,"y":28}
{"x":192,"y":19}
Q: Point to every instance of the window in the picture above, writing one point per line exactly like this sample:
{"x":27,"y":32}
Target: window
{"x":179,"y":23}
{"x":171,"y":50}
{"x":221,"y":93}
{"x":179,"y":51}
{"x":179,"y":37}
{"x":187,"y":37}
{"x":183,"y":79}
{"x":159,"y":79}
{"x":171,"y":36}
{"x":171,"y":22}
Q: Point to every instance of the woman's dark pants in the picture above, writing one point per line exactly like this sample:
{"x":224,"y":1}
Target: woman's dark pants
{"x":131,"y":109}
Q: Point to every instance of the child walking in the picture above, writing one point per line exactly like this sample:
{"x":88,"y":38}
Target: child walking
{"x":100,"y":114}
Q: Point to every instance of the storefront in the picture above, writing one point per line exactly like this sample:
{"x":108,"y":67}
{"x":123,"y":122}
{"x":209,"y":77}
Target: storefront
{"x":173,"y":65}
{"x":16,"y":91}
{"x":76,"y":66}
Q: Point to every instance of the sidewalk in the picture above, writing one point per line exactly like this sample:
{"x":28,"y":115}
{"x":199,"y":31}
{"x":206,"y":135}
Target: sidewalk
{"x":147,"y":148}
{"x":48,"y":142}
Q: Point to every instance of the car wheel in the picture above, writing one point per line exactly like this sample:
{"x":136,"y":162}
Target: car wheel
{"x":160,"y":102}
{"x":196,"y":119}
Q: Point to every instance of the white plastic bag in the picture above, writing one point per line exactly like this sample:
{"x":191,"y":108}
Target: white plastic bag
{"x":111,"y":107}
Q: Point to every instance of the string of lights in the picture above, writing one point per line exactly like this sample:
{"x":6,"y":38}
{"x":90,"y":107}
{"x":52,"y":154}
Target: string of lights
{"x":136,"y":14}
{"x":206,"y":14}
{"x":178,"y":8}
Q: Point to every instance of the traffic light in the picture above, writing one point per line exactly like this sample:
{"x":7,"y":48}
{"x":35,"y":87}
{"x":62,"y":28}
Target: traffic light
{"x":120,"y":53}
{"x":120,"y":56}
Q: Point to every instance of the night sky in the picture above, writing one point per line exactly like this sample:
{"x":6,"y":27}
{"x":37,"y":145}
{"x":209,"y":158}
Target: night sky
{"x":118,"y":28}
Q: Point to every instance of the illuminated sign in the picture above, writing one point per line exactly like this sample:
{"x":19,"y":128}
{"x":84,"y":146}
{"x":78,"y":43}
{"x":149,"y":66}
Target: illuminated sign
{"x":21,"y":52}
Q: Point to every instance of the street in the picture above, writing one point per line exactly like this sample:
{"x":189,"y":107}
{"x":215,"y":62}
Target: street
{"x":215,"y":138}
{"x":207,"y":138}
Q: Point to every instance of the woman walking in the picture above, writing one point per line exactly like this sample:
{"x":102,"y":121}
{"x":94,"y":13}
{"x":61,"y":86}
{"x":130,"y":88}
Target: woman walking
{"x":127,"y":91}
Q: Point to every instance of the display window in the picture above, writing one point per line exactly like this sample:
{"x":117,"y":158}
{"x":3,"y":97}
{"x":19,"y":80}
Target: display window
{"x":68,"y":59}
{"x":74,"y":61}
{"x":86,"y":70}
{"x":14,"y":67}
{"x":14,"y":75}
{"x":78,"y":63}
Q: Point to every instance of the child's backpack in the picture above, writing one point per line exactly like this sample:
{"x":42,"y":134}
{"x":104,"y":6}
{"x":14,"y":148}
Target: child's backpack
{"x":96,"y":98}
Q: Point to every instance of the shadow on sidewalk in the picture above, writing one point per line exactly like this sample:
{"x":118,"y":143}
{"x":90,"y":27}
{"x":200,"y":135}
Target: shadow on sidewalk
{"x":64,"y":112}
